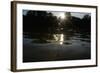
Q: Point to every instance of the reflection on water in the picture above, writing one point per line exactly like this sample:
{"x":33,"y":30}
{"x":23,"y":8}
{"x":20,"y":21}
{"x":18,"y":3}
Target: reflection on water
{"x":59,"y":38}
{"x":58,"y":47}
{"x":67,"y":39}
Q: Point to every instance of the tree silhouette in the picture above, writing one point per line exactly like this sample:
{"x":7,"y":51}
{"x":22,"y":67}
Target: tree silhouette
{"x":43,"y":23}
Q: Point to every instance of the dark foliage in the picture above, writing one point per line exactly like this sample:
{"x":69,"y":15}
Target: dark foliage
{"x":42,"y":22}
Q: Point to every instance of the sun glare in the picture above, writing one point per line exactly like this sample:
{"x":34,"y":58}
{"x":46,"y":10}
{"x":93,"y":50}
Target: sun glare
{"x":62,"y":15}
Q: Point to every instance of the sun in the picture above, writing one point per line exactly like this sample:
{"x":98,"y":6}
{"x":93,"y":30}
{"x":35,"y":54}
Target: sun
{"x":62,"y":15}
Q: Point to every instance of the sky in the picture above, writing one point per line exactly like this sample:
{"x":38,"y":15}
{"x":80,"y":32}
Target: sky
{"x":76,"y":14}
{"x":79,"y":15}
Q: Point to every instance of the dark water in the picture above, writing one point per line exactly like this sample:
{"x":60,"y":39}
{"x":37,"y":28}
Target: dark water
{"x":73,"y":47}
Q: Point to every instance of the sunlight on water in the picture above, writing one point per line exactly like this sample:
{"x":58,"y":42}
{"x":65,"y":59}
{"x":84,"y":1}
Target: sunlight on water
{"x":59,"y":38}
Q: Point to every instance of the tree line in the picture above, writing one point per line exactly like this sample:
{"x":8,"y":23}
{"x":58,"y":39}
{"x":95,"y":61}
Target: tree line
{"x":46,"y":22}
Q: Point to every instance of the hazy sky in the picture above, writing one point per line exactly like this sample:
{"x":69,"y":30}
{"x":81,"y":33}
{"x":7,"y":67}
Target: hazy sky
{"x":80,"y":15}
{"x":76,"y":14}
